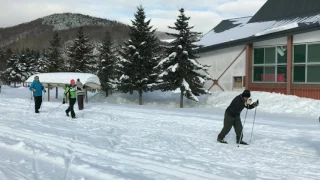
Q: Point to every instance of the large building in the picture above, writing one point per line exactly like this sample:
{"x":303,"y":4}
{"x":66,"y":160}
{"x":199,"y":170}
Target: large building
{"x":276,"y":50}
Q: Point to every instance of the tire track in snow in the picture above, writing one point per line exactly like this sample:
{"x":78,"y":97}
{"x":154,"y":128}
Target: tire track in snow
{"x":86,"y":150}
{"x":54,"y":138}
{"x":134,"y":161}
{"x":117,"y":158}
{"x":14,"y":172}
{"x":35,"y":165}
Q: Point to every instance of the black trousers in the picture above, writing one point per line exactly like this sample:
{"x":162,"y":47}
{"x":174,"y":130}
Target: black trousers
{"x":80,"y":101}
{"x":37,"y":103}
{"x":228,"y":123}
{"x":71,"y":107}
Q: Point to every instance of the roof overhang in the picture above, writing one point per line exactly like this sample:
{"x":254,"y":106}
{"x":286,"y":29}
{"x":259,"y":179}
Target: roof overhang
{"x":253,"y":39}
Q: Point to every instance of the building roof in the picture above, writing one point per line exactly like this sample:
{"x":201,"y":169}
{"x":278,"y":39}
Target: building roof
{"x":61,"y":79}
{"x":227,"y":30}
{"x":244,"y":30}
{"x":280,"y":9}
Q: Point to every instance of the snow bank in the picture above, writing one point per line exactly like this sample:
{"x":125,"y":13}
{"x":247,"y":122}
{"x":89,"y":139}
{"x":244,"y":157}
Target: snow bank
{"x":269,"y":102}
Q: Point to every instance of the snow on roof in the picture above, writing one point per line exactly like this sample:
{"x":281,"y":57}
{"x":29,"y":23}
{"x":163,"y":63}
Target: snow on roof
{"x":167,"y":40}
{"x":60,"y":79}
{"x":240,"y":29}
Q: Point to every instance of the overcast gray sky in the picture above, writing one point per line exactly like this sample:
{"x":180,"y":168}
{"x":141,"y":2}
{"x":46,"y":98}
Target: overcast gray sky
{"x":205,"y":14}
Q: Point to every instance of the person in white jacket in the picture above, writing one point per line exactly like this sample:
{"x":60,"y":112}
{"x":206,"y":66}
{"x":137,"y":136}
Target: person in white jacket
{"x":80,"y":94}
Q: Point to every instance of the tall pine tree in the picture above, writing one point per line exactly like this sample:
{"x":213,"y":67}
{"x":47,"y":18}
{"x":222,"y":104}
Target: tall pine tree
{"x":107,"y":64}
{"x":179,"y":69}
{"x":31,"y":63}
{"x":80,"y":53}
{"x":56,"y":63}
{"x":138,"y":57}
{"x":13,"y":71}
{"x":5,"y":58}
{"x":43,"y":63}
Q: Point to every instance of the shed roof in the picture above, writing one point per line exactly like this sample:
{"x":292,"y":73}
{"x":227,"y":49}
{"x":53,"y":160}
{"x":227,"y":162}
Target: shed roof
{"x":60,"y":79}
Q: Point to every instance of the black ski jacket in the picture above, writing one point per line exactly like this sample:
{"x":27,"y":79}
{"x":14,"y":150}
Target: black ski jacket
{"x":236,"y":106}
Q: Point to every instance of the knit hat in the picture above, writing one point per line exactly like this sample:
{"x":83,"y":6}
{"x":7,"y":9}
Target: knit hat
{"x":246,"y":93}
{"x":72,"y":81}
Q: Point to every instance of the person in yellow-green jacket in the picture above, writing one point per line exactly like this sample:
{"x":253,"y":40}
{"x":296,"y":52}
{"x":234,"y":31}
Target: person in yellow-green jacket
{"x":72,"y":91}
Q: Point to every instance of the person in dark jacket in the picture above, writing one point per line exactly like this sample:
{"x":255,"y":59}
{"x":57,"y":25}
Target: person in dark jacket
{"x":232,"y":116}
{"x":36,"y":87}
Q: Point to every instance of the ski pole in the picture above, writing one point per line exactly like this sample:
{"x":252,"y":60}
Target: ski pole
{"x":42,"y":101}
{"x":254,"y":118}
{"x":244,"y":122}
{"x":30,"y":103}
{"x":55,"y":109}
{"x":43,"y":98}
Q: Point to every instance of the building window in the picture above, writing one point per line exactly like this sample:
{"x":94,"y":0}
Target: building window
{"x":306,"y":65}
{"x":270,"y":64}
{"x":238,"y":82}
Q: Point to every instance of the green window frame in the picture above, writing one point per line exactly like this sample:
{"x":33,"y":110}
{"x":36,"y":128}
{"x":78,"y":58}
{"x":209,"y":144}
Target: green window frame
{"x":306,"y":63}
{"x":269,"y":65}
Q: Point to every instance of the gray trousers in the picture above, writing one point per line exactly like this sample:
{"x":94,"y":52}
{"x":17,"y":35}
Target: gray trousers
{"x":228,"y":123}
{"x":80,"y":101}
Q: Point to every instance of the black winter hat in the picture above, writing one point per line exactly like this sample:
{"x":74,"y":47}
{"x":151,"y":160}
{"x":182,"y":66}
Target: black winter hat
{"x":246,"y":93}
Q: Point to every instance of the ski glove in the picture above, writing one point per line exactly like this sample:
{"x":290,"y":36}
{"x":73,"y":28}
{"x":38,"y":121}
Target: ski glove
{"x":64,"y":101}
{"x":44,"y":91}
{"x":34,"y":90}
{"x":248,"y":102}
{"x":255,"y":104}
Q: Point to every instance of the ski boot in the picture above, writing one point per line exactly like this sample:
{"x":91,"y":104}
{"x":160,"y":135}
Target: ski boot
{"x":222,"y":141}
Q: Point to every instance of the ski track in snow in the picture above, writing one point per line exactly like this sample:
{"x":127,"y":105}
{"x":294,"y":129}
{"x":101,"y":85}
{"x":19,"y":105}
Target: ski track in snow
{"x":133,"y":142}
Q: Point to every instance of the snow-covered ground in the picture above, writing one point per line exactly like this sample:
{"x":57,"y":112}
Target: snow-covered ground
{"x":114,"y":138}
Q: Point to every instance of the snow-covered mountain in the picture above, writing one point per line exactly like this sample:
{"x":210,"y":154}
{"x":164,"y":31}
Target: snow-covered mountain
{"x":67,"y":21}
{"x":37,"y":33}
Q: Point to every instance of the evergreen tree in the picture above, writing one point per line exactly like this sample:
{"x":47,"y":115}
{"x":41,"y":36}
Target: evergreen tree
{"x":80,"y":53}
{"x":107,"y":64}
{"x":13,"y":71}
{"x":2,"y":60}
{"x":31,"y":63}
{"x":2,"y":71}
{"x":94,"y":60}
{"x":4,"y":74}
{"x":54,"y":54}
{"x":23,"y":66}
{"x":179,"y":69}
{"x":138,"y":57}
{"x":43,"y":63}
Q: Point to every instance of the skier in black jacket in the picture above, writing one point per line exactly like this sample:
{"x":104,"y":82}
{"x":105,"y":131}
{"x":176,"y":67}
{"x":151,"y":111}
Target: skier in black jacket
{"x":232,"y":116}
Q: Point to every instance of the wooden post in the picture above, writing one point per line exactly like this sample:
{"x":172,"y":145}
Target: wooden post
{"x":248,"y":65}
{"x":56,"y":92}
{"x":86,"y":96}
{"x":289,"y":63}
{"x":48,"y":92}
{"x":67,"y":96}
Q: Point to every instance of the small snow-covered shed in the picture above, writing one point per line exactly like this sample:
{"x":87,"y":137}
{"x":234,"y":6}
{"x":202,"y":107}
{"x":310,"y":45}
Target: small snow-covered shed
{"x":61,"y":79}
